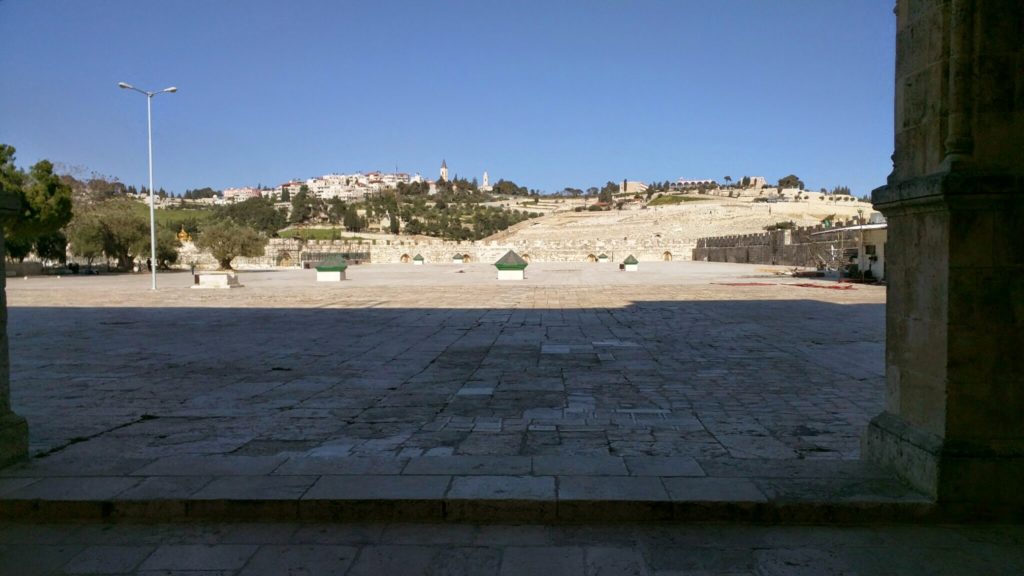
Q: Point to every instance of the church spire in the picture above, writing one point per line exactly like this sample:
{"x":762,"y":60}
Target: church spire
{"x":444,"y":170}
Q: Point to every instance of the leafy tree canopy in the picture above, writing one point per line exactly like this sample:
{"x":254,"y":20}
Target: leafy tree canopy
{"x":256,"y":213}
{"x":45,"y":204}
{"x":200,"y":193}
{"x":509,"y":188}
{"x":607,"y":191}
{"x":305,"y":207}
{"x":226,"y":240}
{"x":791,"y":181}
{"x":119,"y":229}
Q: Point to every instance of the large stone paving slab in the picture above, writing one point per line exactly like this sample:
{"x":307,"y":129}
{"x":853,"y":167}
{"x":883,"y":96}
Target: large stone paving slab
{"x":687,"y":361}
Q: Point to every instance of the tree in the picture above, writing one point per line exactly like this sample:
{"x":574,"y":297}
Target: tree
{"x":257,"y":213}
{"x":53,"y":247}
{"x":119,"y":226}
{"x":85,"y":235}
{"x":305,"y":206}
{"x":286,"y":194}
{"x":353,"y":223}
{"x":167,"y":245}
{"x":414,"y":227}
{"x":606,"y":193}
{"x":200,"y":193}
{"x":791,"y":181}
{"x":728,"y":179}
{"x":45,"y":204}
{"x":509,"y":188}
{"x":335,"y":210}
{"x":226,"y":240}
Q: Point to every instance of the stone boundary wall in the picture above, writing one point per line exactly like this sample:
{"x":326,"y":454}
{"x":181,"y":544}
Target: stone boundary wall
{"x":782,"y":247}
{"x":25,"y":268}
{"x":291,"y":252}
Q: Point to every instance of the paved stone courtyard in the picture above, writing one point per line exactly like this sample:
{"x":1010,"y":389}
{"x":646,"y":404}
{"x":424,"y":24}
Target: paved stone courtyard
{"x":685,"y":382}
{"x":681,"y":371}
{"x":686,"y":391}
{"x":707,"y":371}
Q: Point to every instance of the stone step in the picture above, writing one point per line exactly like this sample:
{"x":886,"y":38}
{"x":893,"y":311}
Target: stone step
{"x":424,"y":492}
{"x":483,"y":511}
{"x":480,"y":508}
{"x":466,"y":489}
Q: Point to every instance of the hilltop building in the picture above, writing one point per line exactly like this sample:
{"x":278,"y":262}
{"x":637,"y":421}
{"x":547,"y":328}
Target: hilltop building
{"x":354,"y":186}
{"x":241,"y":194}
{"x":632,"y":187}
{"x":485,"y":185}
{"x":683,"y":184}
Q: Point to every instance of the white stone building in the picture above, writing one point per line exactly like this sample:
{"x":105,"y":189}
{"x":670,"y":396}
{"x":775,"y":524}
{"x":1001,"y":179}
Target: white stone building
{"x":684,"y":184}
{"x":347,"y":187}
{"x":241,"y":194}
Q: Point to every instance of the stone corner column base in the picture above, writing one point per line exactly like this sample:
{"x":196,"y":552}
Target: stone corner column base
{"x":913,"y":454}
{"x":13,"y":439}
{"x":982,"y":476}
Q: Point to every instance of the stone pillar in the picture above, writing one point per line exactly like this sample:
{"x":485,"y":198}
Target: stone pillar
{"x":13,"y":428}
{"x":953,"y":425}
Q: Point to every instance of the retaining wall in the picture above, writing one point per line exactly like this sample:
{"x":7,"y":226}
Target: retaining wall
{"x":795,"y":247}
{"x":291,"y":252}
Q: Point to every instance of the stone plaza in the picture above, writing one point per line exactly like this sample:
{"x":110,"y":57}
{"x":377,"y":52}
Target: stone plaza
{"x":687,"y":391}
{"x":690,"y":362}
{"x":480,"y":401}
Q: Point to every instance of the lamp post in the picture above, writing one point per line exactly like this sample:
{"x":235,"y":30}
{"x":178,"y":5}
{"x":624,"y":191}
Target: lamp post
{"x":149,"y":124}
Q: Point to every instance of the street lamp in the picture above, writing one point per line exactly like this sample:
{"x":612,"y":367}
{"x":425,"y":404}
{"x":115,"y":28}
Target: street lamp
{"x":149,"y":124}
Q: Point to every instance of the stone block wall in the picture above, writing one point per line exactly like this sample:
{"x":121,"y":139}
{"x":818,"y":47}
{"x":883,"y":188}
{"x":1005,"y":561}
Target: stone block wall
{"x":797,"y":247}
{"x":290,"y":252}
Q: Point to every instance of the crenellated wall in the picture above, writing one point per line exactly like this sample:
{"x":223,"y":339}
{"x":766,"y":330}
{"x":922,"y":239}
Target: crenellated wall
{"x":796,"y":247}
{"x":291,"y":252}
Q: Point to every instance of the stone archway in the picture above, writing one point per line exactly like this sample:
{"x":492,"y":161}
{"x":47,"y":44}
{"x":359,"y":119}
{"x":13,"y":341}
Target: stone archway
{"x":284,"y":258}
{"x":466,"y":259}
{"x":591,"y":258}
{"x":405,"y":259}
{"x":666,"y":256}
{"x":526,"y":257}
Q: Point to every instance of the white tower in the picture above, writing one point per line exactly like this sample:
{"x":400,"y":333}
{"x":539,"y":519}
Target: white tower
{"x":487,"y":182}
{"x":444,"y":170}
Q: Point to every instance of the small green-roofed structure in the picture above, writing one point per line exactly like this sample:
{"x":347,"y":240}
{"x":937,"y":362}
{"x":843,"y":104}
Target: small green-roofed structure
{"x":602,"y":258}
{"x":630,"y":263}
{"x":511,"y":261}
{"x":332,"y":269}
{"x":511,"y":266}
{"x":417,"y":260}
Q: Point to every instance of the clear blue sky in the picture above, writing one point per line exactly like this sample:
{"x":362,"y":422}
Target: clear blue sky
{"x":547,"y":93}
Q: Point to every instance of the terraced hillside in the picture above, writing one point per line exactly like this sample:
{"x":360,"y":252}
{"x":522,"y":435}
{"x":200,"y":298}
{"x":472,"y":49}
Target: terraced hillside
{"x":684,"y":222}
